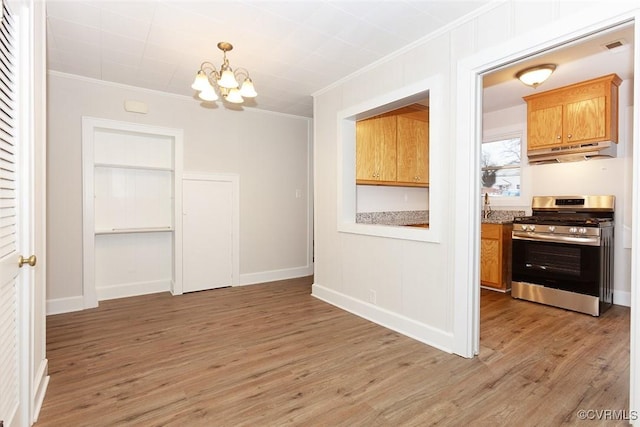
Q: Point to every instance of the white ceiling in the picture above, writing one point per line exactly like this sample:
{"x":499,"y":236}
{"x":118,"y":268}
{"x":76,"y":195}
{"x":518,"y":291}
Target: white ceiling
{"x":291,"y":48}
{"x":576,"y":61}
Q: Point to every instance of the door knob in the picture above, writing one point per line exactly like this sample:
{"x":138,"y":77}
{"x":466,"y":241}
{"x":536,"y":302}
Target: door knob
{"x":31,"y":261}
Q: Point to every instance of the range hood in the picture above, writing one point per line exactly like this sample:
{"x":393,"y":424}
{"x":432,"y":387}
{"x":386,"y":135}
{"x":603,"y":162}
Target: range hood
{"x":573,"y":153}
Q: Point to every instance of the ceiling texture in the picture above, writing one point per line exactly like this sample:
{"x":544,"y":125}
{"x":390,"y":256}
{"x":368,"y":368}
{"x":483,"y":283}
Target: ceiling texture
{"x":291,"y":48}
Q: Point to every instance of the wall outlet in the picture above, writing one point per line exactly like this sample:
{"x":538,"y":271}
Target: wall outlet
{"x":372,"y":296}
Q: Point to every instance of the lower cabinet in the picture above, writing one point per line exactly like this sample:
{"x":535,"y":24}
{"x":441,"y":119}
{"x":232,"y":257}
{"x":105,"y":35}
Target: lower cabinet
{"x":495,"y":256}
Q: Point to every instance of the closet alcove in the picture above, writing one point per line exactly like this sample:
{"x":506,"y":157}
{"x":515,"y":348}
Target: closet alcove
{"x":132,"y":202}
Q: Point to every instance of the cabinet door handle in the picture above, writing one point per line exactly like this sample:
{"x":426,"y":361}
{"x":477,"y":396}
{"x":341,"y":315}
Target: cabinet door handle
{"x":558,"y":137}
{"x":569,"y":136}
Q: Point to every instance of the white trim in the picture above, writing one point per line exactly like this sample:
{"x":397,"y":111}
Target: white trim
{"x":466,"y":293}
{"x":65,"y":305}
{"x":123,"y":86}
{"x":310,"y":195}
{"x":125,"y":290}
{"x":273,"y":275}
{"x":234,"y":179}
{"x":41,"y":383}
{"x":419,"y":331}
{"x":622,"y":298}
{"x":468,"y":117}
{"x":634,"y":259}
{"x":89,"y":127}
{"x":346,"y":180}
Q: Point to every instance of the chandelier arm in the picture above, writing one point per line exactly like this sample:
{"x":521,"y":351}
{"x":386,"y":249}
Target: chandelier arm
{"x":207,"y":66}
{"x":210,"y":70}
{"x":241,"y":72}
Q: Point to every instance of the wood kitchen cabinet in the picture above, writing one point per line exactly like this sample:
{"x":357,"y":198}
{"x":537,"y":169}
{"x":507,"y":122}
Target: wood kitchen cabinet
{"x":376,"y":149}
{"x":495,"y":256}
{"x":412,"y":142}
{"x":581,"y":113}
{"x":393,"y":148}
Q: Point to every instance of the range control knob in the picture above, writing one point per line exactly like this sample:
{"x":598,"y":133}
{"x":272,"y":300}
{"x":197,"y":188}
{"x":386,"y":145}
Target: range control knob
{"x":531,"y":228}
{"x":552,"y":229}
{"x":524,"y":227}
{"x":582,"y":230}
{"x":573,"y":230}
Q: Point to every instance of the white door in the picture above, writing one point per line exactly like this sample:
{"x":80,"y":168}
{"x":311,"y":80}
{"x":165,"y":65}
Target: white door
{"x":207,"y":227}
{"x":16,"y":215}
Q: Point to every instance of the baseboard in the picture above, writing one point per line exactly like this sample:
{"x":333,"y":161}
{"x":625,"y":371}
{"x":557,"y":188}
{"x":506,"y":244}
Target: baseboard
{"x":65,"y":305}
{"x":419,"y":331}
{"x":273,"y":275}
{"x":622,"y":298}
{"x":41,"y":382}
{"x":70,"y":304}
{"x":133,"y":289}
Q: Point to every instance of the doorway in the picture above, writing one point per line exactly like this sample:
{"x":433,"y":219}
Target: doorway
{"x":505,"y":114}
{"x":629,"y":131}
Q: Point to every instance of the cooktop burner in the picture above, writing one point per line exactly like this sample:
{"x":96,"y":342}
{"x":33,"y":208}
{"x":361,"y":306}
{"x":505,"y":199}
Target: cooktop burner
{"x":570,"y":211}
{"x":562,"y":220}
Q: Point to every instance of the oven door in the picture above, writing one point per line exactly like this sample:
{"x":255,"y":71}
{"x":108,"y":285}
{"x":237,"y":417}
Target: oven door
{"x":566,"y":266}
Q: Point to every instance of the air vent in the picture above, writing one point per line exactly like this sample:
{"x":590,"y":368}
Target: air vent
{"x":614,"y":44}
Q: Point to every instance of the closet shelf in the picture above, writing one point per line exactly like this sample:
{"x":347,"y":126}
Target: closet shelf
{"x":134,"y":230}
{"x":140,"y":167}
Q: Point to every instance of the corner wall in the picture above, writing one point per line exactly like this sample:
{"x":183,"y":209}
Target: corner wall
{"x":418,"y":286}
{"x":270,"y":152}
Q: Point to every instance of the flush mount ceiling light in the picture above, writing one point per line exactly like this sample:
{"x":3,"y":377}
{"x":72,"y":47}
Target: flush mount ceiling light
{"x":534,"y":76}
{"x":209,"y":81}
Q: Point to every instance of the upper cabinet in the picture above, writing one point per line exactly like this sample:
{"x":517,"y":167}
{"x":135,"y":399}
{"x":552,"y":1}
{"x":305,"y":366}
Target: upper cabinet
{"x":393,"y":148}
{"x":581,"y":113}
{"x":376,"y":149}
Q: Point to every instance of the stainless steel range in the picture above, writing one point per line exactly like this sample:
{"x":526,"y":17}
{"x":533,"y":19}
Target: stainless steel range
{"x":563,"y":253}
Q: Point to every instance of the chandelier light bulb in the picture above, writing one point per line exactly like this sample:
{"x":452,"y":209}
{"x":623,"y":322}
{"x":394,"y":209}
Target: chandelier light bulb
{"x":201,"y":82}
{"x":208,"y":94}
{"x":247,"y":90}
{"x":234,"y":97}
{"x":228,"y":80}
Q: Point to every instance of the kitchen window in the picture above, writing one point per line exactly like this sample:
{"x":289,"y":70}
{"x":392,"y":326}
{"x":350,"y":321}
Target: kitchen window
{"x":501,"y":167}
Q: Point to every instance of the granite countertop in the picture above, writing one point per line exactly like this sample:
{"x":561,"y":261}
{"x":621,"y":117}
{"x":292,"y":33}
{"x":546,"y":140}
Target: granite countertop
{"x":501,"y":217}
{"x":397,"y":218}
{"x":421,"y":218}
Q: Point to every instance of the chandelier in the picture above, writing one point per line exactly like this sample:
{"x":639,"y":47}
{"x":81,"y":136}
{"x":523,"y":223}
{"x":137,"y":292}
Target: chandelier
{"x":209,"y":81}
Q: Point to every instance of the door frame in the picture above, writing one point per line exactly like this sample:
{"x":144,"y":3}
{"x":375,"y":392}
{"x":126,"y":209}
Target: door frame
{"x":234,"y":179}
{"x":468,"y":139}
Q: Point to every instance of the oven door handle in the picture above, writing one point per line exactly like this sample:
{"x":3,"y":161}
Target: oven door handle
{"x":555,"y":238}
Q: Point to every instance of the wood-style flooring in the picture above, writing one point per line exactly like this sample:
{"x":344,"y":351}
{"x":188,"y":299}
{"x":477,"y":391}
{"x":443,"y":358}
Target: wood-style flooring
{"x":272,"y":355}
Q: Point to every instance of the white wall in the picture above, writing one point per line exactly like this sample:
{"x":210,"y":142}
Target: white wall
{"x":270,"y":152}
{"x":414,"y":281}
{"x":380,"y":198}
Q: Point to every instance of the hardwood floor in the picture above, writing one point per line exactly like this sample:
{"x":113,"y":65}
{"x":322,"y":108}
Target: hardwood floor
{"x":272,"y":355}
